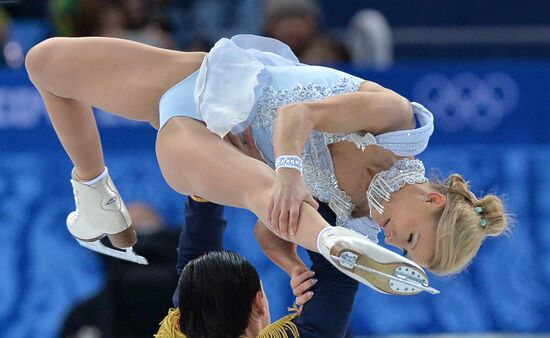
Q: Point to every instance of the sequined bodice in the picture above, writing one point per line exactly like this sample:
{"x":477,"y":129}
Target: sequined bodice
{"x":318,"y":173}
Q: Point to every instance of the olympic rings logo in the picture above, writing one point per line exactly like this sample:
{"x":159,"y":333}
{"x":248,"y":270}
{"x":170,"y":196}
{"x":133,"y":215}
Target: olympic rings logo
{"x":467,"y":100}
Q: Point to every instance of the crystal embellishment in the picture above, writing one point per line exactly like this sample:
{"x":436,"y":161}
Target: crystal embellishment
{"x":362,"y":142}
{"x":289,"y":161}
{"x":386,"y":182}
{"x":271,"y":100}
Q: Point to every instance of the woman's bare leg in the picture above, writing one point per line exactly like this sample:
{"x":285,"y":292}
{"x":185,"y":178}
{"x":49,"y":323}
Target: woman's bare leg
{"x":194,"y":161}
{"x":119,"y":76}
{"x":128,"y":79}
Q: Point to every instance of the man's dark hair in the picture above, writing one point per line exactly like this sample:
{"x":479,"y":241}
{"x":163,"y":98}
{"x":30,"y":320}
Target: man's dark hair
{"x":217,"y":290}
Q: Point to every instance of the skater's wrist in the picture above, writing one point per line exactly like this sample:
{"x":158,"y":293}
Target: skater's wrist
{"x":289,"y":163}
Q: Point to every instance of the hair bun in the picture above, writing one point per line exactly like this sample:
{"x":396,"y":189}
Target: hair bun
{"x":493,"y":212}
{"x":492,"y":207}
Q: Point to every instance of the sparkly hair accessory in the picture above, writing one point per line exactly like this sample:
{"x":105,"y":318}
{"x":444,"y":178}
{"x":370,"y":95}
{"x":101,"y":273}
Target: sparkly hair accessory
{"x":384,"y":183}
{"x":483,"y":221}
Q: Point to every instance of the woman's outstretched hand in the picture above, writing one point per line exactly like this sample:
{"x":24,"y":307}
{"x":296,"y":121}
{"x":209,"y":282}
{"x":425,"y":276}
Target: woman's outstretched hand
{"x":301,"y":280}
{"x":288,"y":193}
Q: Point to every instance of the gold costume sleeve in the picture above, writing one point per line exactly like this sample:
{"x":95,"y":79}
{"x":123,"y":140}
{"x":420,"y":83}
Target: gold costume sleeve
{"x":283,"y":328}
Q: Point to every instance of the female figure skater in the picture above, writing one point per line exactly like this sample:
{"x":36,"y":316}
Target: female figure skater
{"x":306,"y":120}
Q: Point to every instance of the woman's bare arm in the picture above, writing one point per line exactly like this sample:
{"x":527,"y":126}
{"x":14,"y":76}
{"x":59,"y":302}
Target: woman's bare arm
{"x":376,"y":112}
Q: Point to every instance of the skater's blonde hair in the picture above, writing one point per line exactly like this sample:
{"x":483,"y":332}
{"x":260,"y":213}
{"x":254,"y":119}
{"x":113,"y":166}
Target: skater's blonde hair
{"x":464,"y":224}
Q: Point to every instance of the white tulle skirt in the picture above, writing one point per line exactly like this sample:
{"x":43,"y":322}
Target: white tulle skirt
{"x":232,"y":77}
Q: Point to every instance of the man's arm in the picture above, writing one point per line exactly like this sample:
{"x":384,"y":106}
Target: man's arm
{"x":327,"y":314}
{"x":279,"y":251}
{"x":202,"y":232}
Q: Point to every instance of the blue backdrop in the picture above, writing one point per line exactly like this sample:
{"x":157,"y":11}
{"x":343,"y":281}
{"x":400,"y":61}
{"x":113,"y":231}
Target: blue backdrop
{"x":491,"y":126}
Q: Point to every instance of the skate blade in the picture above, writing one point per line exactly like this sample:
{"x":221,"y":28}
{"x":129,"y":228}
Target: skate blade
{"x":127,"y":255}
{"x":402,"y":278}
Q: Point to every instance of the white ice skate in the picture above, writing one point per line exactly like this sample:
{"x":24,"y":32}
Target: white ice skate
{"x":371,"y":264}
{"x":101,"y":212}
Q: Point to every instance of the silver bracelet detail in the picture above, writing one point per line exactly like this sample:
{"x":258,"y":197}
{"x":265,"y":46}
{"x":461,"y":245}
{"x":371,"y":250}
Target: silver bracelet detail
{"x":289,"y":161}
